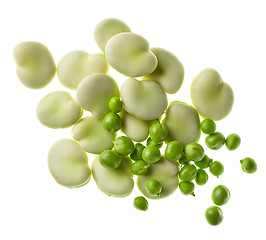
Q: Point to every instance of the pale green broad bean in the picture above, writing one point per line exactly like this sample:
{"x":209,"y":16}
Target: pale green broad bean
{"x":106,"y":29}
{"x":58,"y":110}
{"x":68,"y":163}
{"x":76,"y":65}
{"x":91,"y":135}
{"x":114,"y":182}
{"x":129,"y":53}
{"x":145,"y":100}
{"x":35,"y":64}
{"x":95,"y":91}
{"x":211,"y":96}
{"x":164,"y":171}
{"x":169,"y":72}
{"x":183,"y":123}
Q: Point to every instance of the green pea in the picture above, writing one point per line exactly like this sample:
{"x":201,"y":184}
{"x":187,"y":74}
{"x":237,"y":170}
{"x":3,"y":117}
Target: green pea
{"x":151,"y":154}
{"x":214,"y":215}
{"x":139,"y":167}
{"x":110,"y":159}
{"x":187,"y":188}
{"x":232,"y":141}
{"x":111,"y":122}
{"x":115,"y":104}
{"x":216,"y":168}
{"x":174,"y":151}
{"x":158,"y":132}
{"x":208,"y":126}
{"x":215,"y":141}
{"x":123,"y":145}
{"x":188,"y":172}
{"x":194,"y":151}
{"x":220,"y":195}
{"x":141,"y":203}
{"x":151,"y":142}
{"x":183,"y":160}
{"x":248,"y":165}
{"x":153,"y":187}
{"x":202,"y":177}
{"x":137,"y":153}
{"x":204,"y":163}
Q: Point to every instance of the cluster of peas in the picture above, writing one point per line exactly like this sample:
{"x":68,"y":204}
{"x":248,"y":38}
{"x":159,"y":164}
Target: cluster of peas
{"x":144,"y":156}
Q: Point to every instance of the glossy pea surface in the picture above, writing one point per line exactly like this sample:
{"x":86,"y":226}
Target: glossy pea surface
{"x":204,"y":163}
{"x":174,"y":151}
{"x":151,"y":154}
{"x":220,"y":195}
{"x":232,"y":141}
{"x":194,"y":151}
{"x":141,"y":203}
{"x":158,"y":132}
{"x":216,"y":168}
{"x":109,"y":159}
{"x":123,"y":145}
{"x":139,"y":167}
{"x":187,"y":188}
{"x":137,"y":153}
{"x":214,"y":215}
{"x":111,"y":122}
{"x":183,"y":160}
{"x":208,"y":126}
{"x":188,"y":172}
{"x":215,"y":141}
{"x":201,"y":177}
{"x":115,"y":104}
{"x":248,"y":165}
{"x":153,"y":187}
{"x":151,"y":142}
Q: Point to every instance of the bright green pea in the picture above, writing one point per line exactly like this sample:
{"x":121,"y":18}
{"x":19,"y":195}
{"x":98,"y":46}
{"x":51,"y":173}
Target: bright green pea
{"x":123,"y":145}
{"x":232,"y":141}
{"x":139,"y":167}
{"x":141,"y":203}
{"x":187,"y":188}
{"x":137,"y":153}
{"x":215,"y":141}
{"x":208,"y":126}
{"x":110,"y":159}
{"x":204,"y":163}
{"x":216,"y":168}
{"x":202,"y":177}
{"x":174,"y":151}
{"x":151,"y":142}
{"x":153,"y":188}
{"x":183,"y":160}
{"x":188,"y":172}
{"x":158,"y":132}
{"x":151,"y":154}
{"x":214,"y":215}
{"x":220,"y":195}
{"x":248,"y":165}
{"x":111,"y":122}
{"x":194,"y":151}
{"x":115,"y":104}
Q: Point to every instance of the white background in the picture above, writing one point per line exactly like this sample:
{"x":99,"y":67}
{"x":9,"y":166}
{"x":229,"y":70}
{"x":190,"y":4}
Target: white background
{"x":226,"y":35}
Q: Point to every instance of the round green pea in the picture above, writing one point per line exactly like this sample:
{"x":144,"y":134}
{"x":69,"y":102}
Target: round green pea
{"x":139,"y":167}
{"x":141,"y":203}
{"x":220,"y":195}
{"x":204,"y":163}
{"x":174,"y":151}
{"x":183,"y":160}
{"x":208,"y":126}
{"x":232,"y":141}
{"x":137,"y":153}
{"x":158,"y":132}
{"x":214,"y":215}
{"x":115,"y":105}
{"x":151,"y":142}
{"x":202,"y":177}
{"x":153,"y":187}
{"x":187,"y":188}
{"x":194,"y":151}
{"x":110,"y":159}
{"x":216,"y":168}
{"x":111,"y":122}
{"x":123,"y":145}
{"x":188,"y":172}
{"x":248,"y":165}
{"x":151,"y":154}
{"x":215,"y":141}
